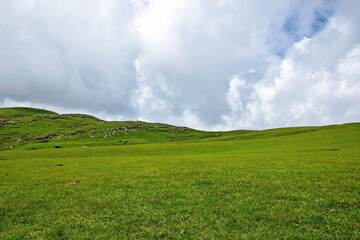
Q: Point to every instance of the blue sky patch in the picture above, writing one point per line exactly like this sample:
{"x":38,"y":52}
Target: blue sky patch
{"x":293,"y":32}
{"x":320,"y":21}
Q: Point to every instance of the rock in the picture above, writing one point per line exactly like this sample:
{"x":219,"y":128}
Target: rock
{"x":75,"y":182}
{"x":18,"y":140}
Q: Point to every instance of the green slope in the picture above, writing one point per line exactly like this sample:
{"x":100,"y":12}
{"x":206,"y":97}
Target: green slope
{"x":288,"y":183}
{"x":23,"y":111}
{"x":71,"y":130}
{"x":35,"y":129}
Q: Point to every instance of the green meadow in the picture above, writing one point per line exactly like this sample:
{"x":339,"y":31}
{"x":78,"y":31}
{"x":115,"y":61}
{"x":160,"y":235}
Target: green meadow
{"x":137,"y":180}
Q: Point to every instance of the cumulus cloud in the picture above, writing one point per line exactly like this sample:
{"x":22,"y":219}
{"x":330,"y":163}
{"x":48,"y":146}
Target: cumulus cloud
{"x":74,"y":55}
{"x":219,"y":64}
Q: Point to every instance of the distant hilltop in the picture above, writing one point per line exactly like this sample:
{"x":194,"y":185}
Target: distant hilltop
{"x":31,"y":128}
{"x":18,"y":111}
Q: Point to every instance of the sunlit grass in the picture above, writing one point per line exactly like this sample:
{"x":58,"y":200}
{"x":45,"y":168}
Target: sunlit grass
{"x":297,"y":183}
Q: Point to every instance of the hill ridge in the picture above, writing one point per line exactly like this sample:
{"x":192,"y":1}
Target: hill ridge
{"x":36,"y":131}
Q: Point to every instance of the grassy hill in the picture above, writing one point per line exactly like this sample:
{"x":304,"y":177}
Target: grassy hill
{"x":137,"y":180}
{"x":70,"y":130}
{"x":24,"y":111}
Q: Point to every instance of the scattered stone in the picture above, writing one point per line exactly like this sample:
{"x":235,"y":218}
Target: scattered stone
{"x":58,"y":146}
{"x":86,"y":146}
{"x":75,"y":182}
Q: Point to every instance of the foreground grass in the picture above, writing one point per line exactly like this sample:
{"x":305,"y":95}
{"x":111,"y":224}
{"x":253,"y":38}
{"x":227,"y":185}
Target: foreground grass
{"x":294,"y":183}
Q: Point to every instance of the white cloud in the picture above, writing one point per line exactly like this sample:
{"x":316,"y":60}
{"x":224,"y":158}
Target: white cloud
{"x":234,"y":94}
{"x":207,"y":64}
{"x":318,"y":83}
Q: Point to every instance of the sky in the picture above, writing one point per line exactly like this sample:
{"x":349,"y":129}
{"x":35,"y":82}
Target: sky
{"x":205,"y":64}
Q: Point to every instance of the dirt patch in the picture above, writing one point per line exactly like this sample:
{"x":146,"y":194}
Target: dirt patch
{"x":75,"y":182}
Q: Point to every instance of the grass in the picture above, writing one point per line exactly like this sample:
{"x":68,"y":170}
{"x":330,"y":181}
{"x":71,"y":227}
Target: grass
{"x":22,"y":111}
{"x":301,"y":183}
{"x":73,"y":130}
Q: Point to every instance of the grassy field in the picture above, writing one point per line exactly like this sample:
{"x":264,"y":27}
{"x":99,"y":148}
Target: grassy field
{"x":21,"y":111}
{"x":136,"y":180}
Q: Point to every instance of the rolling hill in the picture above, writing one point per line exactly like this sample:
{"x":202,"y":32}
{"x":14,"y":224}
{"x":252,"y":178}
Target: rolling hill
{"x":24,"y":111}
{"x":138,"y":180}
{"x":31,"y":128}
{"x":35,"y":128}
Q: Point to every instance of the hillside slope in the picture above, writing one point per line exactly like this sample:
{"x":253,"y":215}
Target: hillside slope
{"x":33,"y":128}
{"x":287,"y":183}
{"x":24,"y":111}
{"x":30,"y":129}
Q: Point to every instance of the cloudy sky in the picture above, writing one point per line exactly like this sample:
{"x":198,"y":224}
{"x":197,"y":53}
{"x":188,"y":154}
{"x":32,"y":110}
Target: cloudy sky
{"x":206,"y":64}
